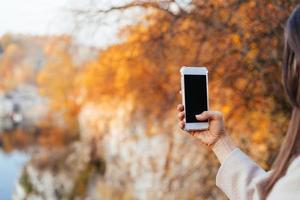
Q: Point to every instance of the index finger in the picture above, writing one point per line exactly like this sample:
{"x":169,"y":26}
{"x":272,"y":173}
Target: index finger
{"x":180,"y":107}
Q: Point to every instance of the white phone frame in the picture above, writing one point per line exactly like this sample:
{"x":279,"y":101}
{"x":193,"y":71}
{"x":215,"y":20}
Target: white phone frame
{"x":194,"y":71}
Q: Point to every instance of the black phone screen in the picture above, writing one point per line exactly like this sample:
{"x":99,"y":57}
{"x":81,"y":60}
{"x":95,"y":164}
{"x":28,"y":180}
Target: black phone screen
{"x":195,"y":90}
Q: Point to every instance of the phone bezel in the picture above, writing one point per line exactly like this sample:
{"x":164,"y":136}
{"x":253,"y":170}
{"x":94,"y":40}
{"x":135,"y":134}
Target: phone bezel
{"x":194,"y":71}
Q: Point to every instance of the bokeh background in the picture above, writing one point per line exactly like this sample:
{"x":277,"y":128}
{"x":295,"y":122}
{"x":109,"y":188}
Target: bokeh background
{"x":88,"y":94}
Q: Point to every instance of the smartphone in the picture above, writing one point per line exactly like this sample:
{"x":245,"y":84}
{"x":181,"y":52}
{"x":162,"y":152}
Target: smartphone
{"x":194,"y":90}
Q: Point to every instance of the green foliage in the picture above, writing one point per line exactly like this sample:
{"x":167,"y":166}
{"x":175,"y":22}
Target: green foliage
{"x":97,"y":166}
{"x":26,"y":183}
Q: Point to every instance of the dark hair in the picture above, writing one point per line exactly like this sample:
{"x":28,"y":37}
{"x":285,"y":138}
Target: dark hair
{"x":291,"y":78}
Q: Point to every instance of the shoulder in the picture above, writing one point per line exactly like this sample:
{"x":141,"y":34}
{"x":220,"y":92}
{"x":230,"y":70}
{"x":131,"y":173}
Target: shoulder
{"x":287,"y":187}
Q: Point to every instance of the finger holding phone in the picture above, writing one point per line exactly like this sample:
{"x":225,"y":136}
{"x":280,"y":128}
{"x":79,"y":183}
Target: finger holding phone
{"x":194,"y":114}
{"x":208,"y":136}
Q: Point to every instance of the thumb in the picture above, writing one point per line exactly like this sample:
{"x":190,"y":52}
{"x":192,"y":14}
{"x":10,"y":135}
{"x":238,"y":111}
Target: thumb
{"x":206,"y":115}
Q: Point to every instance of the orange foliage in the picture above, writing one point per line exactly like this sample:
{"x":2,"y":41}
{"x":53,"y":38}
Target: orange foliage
{"x":17,"y":139}
{"x":51,"y":134}
{"x":56,"y":80}
{"x":242,"y":50}
{"x":13,"y":67}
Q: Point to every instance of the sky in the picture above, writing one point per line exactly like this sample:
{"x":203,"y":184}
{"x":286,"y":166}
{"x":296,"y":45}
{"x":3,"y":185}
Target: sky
{"x":48,"y":17}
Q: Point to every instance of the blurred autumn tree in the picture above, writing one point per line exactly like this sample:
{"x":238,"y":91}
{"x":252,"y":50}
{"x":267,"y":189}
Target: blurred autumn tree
{"x":240,"y":42}
{"x":13,"y":69}
{"x":56,"y":80}
{"x":45,"y":63}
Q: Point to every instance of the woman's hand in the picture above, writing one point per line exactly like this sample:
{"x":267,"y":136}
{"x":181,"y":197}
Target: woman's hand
{"x":215,"y":137}
{"x":216,"y":126}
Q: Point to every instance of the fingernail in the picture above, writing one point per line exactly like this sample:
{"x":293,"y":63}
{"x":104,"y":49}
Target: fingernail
{"x":199,"y":115}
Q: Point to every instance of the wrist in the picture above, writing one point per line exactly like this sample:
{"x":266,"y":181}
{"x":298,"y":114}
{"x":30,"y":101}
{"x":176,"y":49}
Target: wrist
{"x":223,"y":147}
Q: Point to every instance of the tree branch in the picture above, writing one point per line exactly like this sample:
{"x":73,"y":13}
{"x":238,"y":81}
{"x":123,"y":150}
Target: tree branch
{"x":142,"y":4}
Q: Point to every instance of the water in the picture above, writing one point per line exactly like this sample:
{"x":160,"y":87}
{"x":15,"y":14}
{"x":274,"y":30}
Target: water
{"x":10,"y":169}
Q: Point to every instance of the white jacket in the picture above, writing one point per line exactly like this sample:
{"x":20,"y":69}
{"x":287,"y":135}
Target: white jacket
{"x":241,"y":179}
